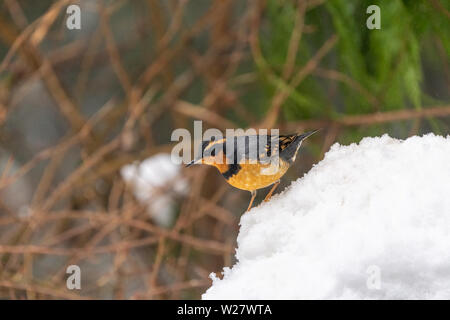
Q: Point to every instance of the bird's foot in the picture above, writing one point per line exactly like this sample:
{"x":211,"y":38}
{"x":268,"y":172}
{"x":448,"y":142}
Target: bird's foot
{"x":269,"y":195}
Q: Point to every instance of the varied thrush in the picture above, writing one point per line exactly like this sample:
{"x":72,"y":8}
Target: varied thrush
{"x":254,"y":161}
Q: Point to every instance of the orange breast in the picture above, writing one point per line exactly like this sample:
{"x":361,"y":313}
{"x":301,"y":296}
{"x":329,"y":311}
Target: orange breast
{"x":256,"y":176}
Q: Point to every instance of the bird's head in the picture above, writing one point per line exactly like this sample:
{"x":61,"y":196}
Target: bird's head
{"x":211,"y":153}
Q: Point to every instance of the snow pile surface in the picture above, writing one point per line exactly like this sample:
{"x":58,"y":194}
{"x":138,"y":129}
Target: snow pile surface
{"x":153,"y":184}
{"x":370,"y":221}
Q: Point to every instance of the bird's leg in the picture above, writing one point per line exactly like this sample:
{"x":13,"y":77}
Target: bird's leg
{"x":251,"y":200}
{"x":275,"y":185}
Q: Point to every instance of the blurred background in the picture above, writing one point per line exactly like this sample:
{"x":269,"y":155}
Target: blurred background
{"x":86,"y":118}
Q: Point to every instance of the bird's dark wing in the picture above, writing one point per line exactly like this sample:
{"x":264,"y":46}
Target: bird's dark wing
{"x":256,"y":148}
{"x":260,"y":148}
{"x":285,"y":141}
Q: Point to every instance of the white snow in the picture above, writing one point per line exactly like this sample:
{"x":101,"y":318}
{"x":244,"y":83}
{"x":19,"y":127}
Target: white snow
{"x":370,"y":221}
{"x":155,"y":181}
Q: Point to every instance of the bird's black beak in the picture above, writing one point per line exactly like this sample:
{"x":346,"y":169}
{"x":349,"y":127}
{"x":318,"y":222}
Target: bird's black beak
{"x":190,"y":164}
{"x":305,"y":135}
{"x":195,"y":161}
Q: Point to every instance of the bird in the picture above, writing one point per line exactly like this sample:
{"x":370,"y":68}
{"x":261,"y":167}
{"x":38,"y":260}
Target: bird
{"x":253,"y":161}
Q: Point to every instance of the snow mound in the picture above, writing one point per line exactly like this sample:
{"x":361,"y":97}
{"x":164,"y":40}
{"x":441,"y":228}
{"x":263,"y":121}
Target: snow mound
{"x":370,"y":221}
{"x":153,"y":184}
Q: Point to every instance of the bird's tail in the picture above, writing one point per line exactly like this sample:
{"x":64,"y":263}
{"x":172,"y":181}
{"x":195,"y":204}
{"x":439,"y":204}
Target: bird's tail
{"x":290,"y":152}
{"x":303,"y":136}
